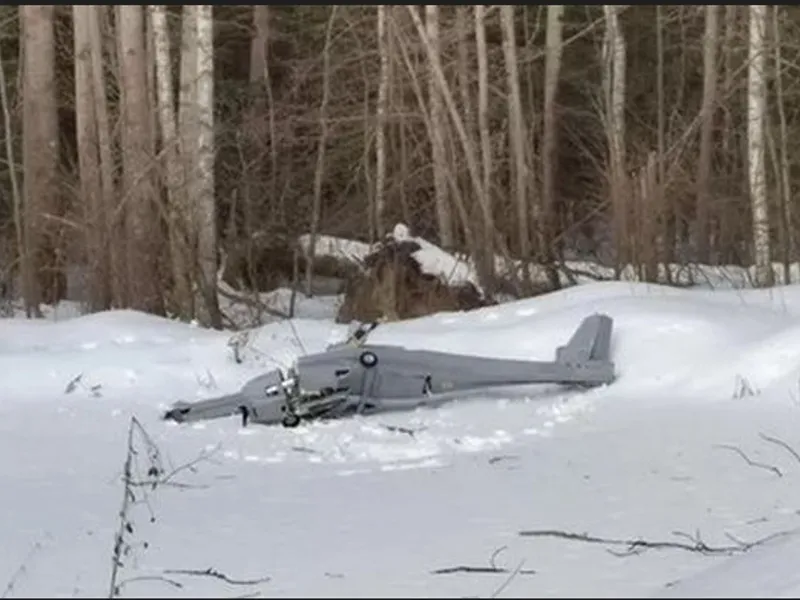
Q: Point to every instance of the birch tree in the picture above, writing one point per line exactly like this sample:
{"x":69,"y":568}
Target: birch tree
{"x":40,"y":146}
{"x":756,"y":156}
{"x":204,"y":198}
{"x":615,"y":63}
{"x":710,"y":78}
{"x":137,"y":156}
{"x":177,"y":208}
{"x":784,"y":169}
{"x":552,"y":72}
{"x":439,"y":153}
{"x":187,"y":129}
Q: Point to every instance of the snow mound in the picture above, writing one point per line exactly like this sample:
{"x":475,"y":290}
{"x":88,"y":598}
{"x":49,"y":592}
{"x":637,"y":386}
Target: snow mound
{"x":678,"y":443}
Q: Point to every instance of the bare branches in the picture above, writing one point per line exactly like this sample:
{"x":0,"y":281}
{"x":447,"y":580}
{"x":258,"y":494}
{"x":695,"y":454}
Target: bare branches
{"x":319,"y":170}
{"x":16,"y":195}
{"x":749,"y":461}
{"x":159,"y":578}
{"x":138,"y":480}
{"x":491,"y":568}
{"x":638,"y":545}
{"x":211,"y":572}
{"x":767,"y":467}
{"x":782,"y":444}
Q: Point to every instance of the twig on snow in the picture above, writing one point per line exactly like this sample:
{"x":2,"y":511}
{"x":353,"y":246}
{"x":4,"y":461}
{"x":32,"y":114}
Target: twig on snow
{"x":782,"y":444}
{"x":135,"y":491}
{"x":159,"y":578}
{"x":124,"y":525}
{"x":398,"y":429}
{"x":502,"y":457}
{"x":638,"y":545}
{"x":157,"y":477}
{"x":211,"y":572}
{"x":508,"y":580}
{"x":749,"y":461}
{"x":491,"y":568}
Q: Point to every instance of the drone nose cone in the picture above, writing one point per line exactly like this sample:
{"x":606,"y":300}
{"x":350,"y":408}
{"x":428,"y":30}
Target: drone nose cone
{"x":177,"y":413}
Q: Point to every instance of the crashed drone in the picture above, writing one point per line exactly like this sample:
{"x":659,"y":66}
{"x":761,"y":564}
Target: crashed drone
{"x":355,"y":377}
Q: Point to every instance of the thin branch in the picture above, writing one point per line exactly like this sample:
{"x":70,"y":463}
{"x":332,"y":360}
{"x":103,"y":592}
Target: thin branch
{"x":517,"y":571}
{"x":782,"y":444}
{"x":481,"y":570}
{"x":638,"y":545}
{"x":492,"y":568}
{"x":750,"y":462}
{"x":172,"y":582}
{"x":211,"y":572}
{"x":406,"y":430}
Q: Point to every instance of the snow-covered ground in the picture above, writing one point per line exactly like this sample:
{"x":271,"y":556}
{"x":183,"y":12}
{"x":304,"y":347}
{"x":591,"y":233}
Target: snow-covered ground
{"x":693,"y":443}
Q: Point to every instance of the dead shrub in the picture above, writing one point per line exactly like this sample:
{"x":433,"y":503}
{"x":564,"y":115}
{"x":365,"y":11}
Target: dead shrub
{"x":393,"y":287}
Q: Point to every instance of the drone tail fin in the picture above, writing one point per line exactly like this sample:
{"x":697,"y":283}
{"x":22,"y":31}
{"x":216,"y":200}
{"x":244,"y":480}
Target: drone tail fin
{"x":590,"y":342}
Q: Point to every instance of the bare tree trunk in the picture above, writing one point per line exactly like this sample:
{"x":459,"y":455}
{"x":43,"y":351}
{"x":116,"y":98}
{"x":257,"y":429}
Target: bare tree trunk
{"x":785,"y":182}
{"x":177,"y":201}
{"x":464,"y":68}
{"x":188,"y":125}
{"x":439,"y":152}
{"x":110,"y":227}
{"x":483,"y":129}
{"x":615,"y":61}
{"x":319,"y":172}
{"x":89,"y":162}
{"x":517,"y":135}
{"x":258,"y":46}
{"x":707,"y":129}
{"x":552,"y":69}
{"x":260,"y":71}
{"x":262,"y":135}
{"x":728,"y":45}
{"x":380,"y":133}
{"x":756,"y":117}
{"x":464,"y":64}
{"x":137,"y":157}
{"x":668,"y":212}
{"x":39,"y":148}
{"x":16,"y":195}
{"x":484,"y":255}
{"x":205,"y":214}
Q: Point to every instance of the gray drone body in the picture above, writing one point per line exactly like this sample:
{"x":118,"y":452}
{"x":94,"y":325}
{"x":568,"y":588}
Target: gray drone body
{"x":353,"y":378}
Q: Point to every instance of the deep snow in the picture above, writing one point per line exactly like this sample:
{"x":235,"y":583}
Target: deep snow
{"x":371,"y":506}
